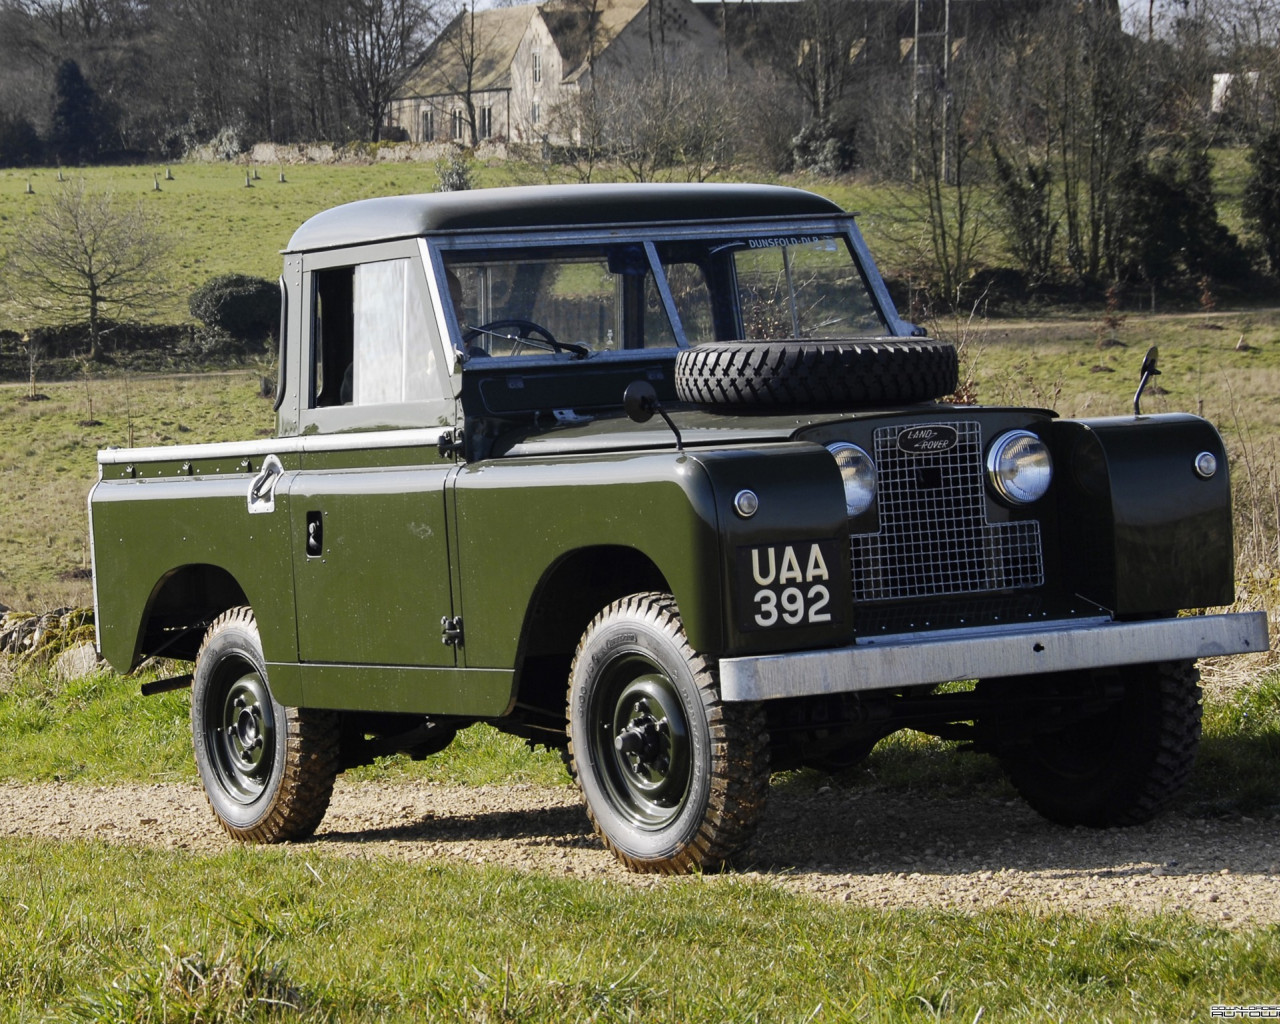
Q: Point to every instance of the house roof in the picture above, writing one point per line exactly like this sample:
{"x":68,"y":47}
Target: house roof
{"x":579,"y":29}
{"x":489,"y":44}
{"x":582,"y":29}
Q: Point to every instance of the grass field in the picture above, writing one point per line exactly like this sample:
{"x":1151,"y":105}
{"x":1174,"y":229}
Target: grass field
{"x":115,"y":935}
{"x":48,"y":463}
{"x":221,"y":226}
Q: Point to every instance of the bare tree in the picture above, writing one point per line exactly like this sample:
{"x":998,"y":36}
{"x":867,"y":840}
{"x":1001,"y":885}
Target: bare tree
{"x":952,"y":122}
{"x":583,"y":121}
{"x":463,"y":57}
{"x":383,"y":39}
{"x":82,"y":255}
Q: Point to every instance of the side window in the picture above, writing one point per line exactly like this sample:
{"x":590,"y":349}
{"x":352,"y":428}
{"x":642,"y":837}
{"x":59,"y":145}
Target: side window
{"x":371,"y":340}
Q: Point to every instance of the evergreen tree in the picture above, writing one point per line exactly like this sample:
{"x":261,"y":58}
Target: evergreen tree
{"x":1262,"y":196}
{"x":75,"y":132}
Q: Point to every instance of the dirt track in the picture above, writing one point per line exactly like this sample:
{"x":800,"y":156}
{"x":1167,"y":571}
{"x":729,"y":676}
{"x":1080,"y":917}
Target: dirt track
{"x":871,"y":848}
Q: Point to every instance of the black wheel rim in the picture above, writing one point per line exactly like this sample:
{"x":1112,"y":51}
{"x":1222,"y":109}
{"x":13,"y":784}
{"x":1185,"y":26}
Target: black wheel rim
{"x":241,"y":736}
{"x":640,"y":741}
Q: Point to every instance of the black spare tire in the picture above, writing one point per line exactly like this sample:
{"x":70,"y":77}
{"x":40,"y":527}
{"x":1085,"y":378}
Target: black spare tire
{"x":816,"y":373}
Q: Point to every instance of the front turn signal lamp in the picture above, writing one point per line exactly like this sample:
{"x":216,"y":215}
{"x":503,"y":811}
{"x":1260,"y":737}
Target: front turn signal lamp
{"x":1019,"y":467}
{"x":859,"y":475}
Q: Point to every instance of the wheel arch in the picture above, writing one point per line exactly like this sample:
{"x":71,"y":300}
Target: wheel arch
{"x":180,"y":607}
{"x":569,"y":595}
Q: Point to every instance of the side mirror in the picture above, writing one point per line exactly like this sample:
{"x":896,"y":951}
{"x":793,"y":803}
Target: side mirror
{"x":1149,"y":362}
{"x":640,"y":401}
{"x":1150,"y":368}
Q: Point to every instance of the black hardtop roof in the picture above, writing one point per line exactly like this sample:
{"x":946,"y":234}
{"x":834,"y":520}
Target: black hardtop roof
{"x":551,"y":206}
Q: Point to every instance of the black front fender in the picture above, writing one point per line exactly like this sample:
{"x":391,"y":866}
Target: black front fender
{"x":1142,"y":530}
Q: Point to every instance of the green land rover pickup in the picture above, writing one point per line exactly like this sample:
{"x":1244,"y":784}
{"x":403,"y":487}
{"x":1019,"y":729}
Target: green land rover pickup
{"x":656,"y":475}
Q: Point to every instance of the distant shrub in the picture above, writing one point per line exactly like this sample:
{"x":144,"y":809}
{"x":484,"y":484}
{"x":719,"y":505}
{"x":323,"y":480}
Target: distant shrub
{"x":212,"y":344}
{"x":228,"y":143}
{"x":247,"y":308}
{"x":71,"y":339}
{"x":455,"y":172}
{"x":825,"y":147}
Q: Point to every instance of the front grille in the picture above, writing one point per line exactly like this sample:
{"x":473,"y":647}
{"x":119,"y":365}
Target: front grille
{"x":934,"y":538}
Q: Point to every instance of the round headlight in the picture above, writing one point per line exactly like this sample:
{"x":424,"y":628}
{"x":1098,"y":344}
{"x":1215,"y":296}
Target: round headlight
{"x":1019,"y":467}
{"x":859,"y":475}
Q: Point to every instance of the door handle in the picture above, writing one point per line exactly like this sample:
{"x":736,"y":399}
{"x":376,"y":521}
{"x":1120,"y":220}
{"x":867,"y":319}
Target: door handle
{"x":262,"y":489}
{"x":315,"y":535}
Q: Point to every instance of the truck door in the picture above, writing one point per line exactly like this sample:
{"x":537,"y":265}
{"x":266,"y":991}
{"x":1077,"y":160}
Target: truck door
{"x":367,"y":509}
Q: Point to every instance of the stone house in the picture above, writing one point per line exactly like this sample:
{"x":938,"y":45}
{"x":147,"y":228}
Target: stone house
{"x":501,"y":73}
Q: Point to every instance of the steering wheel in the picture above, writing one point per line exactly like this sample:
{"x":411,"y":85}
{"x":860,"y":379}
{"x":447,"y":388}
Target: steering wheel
{"x":524,"y":332}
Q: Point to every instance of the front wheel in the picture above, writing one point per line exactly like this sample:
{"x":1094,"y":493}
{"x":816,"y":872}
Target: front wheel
{"x":674,"y":778}
{"x":1121,"y":764}
{"x":267,"y":770}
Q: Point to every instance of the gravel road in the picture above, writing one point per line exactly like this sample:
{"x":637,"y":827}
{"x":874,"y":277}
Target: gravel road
{"x":871,"y":848}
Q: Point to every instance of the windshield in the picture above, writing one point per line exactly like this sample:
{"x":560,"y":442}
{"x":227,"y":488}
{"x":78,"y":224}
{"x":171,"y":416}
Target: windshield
{"x":609,"y":295}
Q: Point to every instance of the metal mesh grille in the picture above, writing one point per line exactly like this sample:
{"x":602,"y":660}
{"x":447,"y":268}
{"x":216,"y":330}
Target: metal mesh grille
{"x":934,"y":536}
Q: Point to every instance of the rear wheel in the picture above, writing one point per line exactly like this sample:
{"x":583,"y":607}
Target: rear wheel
{"x":674,"y":778}
{"x":1121,"y":765}
{"x":267,"y":770}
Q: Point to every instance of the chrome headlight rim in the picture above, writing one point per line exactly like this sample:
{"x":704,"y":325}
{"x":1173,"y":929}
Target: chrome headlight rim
{"x":858,"y":473}
{"x":1022,"y":477}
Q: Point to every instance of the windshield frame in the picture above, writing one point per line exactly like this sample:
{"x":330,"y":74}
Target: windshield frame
{"x":649,"y":236}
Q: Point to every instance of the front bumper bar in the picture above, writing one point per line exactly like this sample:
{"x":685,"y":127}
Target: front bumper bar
{"x":915,"y":659}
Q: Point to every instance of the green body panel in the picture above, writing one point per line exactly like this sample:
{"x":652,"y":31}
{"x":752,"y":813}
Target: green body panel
{"x":515,"y":519}
{"x":376,"y":589}
{"x":518,"y":518}
{"x":435,"y":691}
{"x":147,"y":530}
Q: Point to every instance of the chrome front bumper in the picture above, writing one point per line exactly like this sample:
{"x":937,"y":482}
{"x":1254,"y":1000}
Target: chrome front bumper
{"x":914,"y":659}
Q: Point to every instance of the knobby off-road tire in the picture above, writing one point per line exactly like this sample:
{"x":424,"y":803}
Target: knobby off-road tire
{"x":1124,"y":765}
{"x":267,"y":770}
{"x":673,"y":777}
{"x":816,"y":374}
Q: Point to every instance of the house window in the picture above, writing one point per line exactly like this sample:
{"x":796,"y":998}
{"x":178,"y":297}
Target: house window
{"x":537,"y":67}
{"x":535,"y":112}
{"x":486,"y":122}
{"x":428,"y":125}
{"x":459,"y":124}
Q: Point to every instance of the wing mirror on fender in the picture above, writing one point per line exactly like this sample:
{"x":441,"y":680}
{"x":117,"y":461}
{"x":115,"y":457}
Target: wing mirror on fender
{"x":1149,"y":370}
{"x":640,"y":402}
